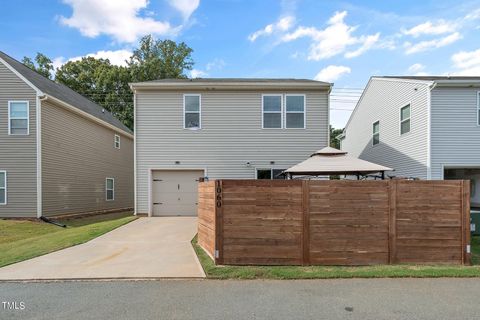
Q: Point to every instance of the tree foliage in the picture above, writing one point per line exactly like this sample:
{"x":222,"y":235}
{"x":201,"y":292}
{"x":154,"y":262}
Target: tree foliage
{"x":334,"y":142}
{"x":107,"y":84}
{"x":42,"y":64}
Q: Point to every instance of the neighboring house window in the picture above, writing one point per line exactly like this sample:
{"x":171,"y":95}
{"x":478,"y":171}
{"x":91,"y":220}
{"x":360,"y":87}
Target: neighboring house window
{"x":117,"y":141}
{"x":478,"y":108}
{"x":270,"y":174}
{"x":18,"y":123}
{"x":272,"y":111}
{"x":295,"y":111}
{"x":376,"y":133}
{"x":405,"y":119}
{"x":110,"y":189}
{"x":3,"y":187}
{"x":191,"y":111}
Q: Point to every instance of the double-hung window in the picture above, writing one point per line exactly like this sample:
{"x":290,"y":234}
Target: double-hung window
{"x":272,"y":111}
{"x":294,"y":111}
{"x":405,"y":119}
{"x":376,"y":133}
{"x":18,"y":120}
{"x":3,"y":187}
{"x":116,"y":142}
{"x":192,"y":111}
{"x":110,"y":189}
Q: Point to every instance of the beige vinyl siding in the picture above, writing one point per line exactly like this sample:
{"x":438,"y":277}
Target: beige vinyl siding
{"x":77,"y":156}
{"x":455,"y":133}
{"x":18,"y":153}
{"x":381,"y":101}
{"x":231,"y":135}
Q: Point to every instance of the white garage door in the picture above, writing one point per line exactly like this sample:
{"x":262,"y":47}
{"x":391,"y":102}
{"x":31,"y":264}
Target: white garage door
{"x":174,"y":193}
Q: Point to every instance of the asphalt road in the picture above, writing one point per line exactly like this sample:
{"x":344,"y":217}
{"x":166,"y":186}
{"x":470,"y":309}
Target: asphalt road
{"x":205,"y":299}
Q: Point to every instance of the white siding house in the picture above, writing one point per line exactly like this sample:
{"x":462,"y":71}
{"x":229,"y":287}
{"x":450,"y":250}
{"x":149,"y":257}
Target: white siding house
{"x":221,"y":128}
{"x":441,"y":128}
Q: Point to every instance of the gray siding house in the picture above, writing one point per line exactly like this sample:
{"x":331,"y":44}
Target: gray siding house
{"x":221,"y":128}
{"x":60,"y":153}
{"x":423,"y":127}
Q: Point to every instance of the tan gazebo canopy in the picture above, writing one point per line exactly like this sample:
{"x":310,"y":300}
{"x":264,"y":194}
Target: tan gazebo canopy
{"x":331,"y":161}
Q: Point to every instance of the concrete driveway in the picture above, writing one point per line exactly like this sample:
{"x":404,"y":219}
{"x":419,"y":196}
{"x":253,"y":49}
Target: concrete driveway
{"x":144,"y":248}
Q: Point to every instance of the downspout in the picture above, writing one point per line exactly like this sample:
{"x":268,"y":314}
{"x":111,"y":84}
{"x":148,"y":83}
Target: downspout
{"x":40,"y":97}
{"x":429,"y":130}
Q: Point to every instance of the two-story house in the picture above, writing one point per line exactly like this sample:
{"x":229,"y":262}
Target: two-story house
{"x":423,"y":127}
{"x":220,"y":128}
{"x":60,"y":153}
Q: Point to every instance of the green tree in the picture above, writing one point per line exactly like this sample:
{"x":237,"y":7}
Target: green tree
{"x":160,"y":59}
{"x":334,"y":142}
{"x":42,"y":64}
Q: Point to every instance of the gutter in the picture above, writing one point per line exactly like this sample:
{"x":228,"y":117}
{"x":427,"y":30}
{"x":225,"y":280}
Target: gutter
{"x":230,"y":85}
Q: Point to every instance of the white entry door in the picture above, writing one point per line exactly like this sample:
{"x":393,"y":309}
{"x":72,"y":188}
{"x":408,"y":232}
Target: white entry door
{"x":174,"y":192}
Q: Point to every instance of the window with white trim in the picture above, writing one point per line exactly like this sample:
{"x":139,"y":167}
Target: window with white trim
{"x":3,"y":187}
{"x":270,"y":174}
{"x":18,"y":120}
{"x":272,"y":111}
{"x":192,"y":111}
{"x":116,"y":142}
{"x":376,"y":133}
{"x":110,"y":189}
{"x":405,"y":119}
{"x":294,"y":111}
{"x":478,"y":108}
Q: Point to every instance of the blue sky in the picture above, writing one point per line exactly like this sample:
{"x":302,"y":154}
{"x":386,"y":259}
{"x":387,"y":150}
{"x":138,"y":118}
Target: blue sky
{"x":344,"y":42}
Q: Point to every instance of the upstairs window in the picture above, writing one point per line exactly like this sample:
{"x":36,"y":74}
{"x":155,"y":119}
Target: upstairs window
{"x":191,"y":111}
{"x":295,"y":111}
{"x":110,"y":189}
{"x":18,"y":120}
{"x":478,"y":108}
{"x":116,"y":142}
{"x":272,"y":111}
{"x":405,"y":119}
{"x":3,"y":187}
{"x":376,"y":133}
{"x":270,"y":174}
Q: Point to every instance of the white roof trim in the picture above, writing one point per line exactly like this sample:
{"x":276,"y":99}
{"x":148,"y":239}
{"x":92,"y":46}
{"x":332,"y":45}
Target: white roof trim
{"x":229,"y":85}
{"x":18,"y":74}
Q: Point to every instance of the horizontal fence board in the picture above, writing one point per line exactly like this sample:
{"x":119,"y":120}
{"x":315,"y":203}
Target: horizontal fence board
{"x":333,"y":222}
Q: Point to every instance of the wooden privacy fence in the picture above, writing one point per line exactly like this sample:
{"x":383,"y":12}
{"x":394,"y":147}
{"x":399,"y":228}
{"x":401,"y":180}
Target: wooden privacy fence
{"x":294,"y":222}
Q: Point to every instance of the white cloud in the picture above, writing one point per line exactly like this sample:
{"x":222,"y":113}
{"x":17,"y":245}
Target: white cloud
{"x":429,"y":28}
{"x":369,"y":42}
{"x":282,"y":25}
{"x":196,"y":73}
{"x":332,"y":73}
{"x":185,"y":7}
{"x":417,"y":69}
{"x":118,"y":57}
{"x":432,"y":44}
{"x":334,"y":39}
{"x":214,"y":65}
{"x":466,"y":63}
{"x":120,"y":19}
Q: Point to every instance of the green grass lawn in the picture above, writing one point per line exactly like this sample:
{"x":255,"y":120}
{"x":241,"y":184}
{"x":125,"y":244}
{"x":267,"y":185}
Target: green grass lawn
{"x":326,"y":272}
{"x":23,"y":239}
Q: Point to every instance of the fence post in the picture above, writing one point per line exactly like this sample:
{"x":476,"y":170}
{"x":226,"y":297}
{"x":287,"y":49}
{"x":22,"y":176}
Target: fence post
{"x":466,"y":251}
{"x":218,"y":222}
{"x":392,"y":222}
{"x":306,"y":222}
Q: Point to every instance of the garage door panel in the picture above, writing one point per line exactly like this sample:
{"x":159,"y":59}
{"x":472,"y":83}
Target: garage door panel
{"x":175,"y":192}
